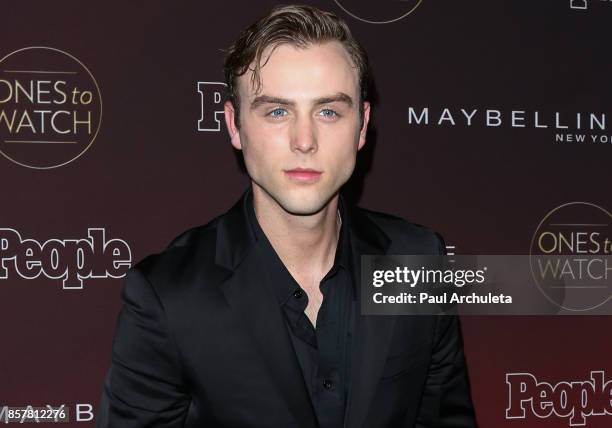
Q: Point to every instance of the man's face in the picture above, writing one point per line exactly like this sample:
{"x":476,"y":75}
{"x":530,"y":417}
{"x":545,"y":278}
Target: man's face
{"x":300,"y":132}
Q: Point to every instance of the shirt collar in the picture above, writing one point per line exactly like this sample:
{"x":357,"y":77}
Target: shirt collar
{"x":343,"y":249}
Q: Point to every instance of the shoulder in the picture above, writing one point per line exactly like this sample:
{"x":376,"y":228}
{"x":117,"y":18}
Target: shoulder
{"x":183,"y":261}
{"x":406,"y":236}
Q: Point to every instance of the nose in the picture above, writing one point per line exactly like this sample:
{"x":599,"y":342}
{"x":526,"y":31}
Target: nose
{"x":304,"y":135}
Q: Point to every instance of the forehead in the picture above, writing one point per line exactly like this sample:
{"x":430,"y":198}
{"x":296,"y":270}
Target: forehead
{"x":293,"y":72}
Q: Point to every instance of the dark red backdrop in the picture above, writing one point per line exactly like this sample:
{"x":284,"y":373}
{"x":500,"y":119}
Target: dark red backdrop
{"x":151,"y":174}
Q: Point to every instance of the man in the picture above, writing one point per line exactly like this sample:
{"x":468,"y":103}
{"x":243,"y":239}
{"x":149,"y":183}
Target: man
{"x":253,"y":320}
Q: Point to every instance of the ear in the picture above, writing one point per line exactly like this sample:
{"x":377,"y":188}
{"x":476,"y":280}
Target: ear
{"x":230,"y":122}
{"x":364,"y":127}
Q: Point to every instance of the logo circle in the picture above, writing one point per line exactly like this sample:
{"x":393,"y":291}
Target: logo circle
{"x":50,"y":107}
{"x":568,"y":240}
{"x":379,"y":12}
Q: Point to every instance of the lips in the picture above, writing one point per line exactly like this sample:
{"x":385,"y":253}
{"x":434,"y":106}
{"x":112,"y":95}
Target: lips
{"x":303,"y":175}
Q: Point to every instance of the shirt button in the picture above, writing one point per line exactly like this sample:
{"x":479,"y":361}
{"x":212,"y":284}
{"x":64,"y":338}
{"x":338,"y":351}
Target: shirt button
{"x":327,"y":384}
{"x":298,"y":293}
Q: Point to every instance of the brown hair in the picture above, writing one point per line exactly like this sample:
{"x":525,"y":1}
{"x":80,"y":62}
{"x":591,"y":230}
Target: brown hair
{"x":300,"y":26}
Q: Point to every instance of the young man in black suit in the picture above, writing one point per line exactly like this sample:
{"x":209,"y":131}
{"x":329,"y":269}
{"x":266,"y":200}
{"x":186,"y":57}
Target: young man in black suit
{"x":254,"y":320}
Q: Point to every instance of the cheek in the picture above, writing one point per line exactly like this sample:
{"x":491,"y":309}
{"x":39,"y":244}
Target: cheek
{"x":264,"y":136}
{"x":341,"y":163}
{"x":261,"y":154}
{"x":345,"y":132}
{"x":342,"y":143}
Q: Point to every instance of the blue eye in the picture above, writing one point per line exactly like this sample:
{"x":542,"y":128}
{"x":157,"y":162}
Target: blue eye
{"x":278,"y":112}
{"x":328,"y":113}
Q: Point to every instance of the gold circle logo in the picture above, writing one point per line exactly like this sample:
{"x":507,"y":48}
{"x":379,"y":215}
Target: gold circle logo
{"x":571,"y":256}
{"x":379,"y":12}
{"x":50,"y":107}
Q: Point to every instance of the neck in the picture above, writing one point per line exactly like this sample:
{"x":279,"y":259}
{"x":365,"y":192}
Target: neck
{"x":305,"y":243}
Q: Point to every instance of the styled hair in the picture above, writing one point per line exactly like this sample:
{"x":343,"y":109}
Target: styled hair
{"x":300,"y":26}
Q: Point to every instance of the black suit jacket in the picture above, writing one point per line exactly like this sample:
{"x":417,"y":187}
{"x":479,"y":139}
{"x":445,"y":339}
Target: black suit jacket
{"x":201,"y":342}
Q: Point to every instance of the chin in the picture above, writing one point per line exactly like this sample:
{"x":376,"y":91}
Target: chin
{"x":300,"y":204}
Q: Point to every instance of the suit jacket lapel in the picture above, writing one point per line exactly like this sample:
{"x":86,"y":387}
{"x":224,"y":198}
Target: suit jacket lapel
{"x":256,"y":306}
{"x":373,"y":333}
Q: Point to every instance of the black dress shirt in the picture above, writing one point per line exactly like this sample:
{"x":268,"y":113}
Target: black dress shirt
{"x":324,"y":352}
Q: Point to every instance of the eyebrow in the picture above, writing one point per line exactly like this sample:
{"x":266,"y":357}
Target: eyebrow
{"x":266,"y":99}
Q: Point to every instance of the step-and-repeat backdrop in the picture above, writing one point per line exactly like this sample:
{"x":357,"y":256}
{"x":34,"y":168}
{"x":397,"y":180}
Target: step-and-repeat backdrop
{"x":492,"y":125}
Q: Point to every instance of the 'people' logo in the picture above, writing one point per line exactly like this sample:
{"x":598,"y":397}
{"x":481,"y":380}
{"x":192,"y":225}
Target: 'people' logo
{"x":573,"y":400}
{"x":211,"y":106}
{"x":578,"y":4}
{"x":71,"y":260}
